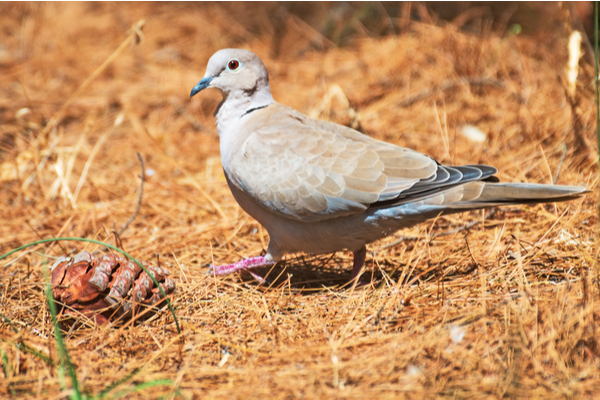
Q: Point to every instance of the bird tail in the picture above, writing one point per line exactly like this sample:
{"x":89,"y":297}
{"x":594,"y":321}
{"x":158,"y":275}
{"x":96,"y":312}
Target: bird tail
{"x":480,"y":194}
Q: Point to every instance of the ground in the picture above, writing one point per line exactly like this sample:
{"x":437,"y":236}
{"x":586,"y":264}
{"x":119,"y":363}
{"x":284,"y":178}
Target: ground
{"x":484,"y":304}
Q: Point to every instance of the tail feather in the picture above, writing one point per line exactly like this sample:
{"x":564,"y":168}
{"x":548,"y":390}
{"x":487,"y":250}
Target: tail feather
{"x":485,"y":194}
{"x":528,"y":192}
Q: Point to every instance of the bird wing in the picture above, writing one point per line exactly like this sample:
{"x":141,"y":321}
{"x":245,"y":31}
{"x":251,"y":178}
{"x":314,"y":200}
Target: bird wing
{"x":312,"y":170}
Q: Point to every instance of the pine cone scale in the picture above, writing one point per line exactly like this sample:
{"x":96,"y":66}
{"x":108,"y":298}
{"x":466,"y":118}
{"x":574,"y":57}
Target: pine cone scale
{"x":106,"y":288}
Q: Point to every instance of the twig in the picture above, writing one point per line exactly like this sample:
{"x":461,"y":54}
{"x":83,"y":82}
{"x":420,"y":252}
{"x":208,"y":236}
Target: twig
{"x":139,"y":202}
{"x":39,"y":167}
{"x":581,"y":144}
{"x":444,"y":233}
{"x":388,"y":20}
{"x":134,"y":37}
{"x":479,"y":81}
{"x":560,"y":163}
{"x":468,"y":15}
{"x":88,"y":165}
{"x":309,"y":32}
{"x":118,"y":241}
{"x":404,"y":19}
{"x":41,"y":237}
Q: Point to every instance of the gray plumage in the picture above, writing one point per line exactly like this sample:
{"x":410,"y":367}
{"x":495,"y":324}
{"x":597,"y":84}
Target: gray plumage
{"x":319,"y":187}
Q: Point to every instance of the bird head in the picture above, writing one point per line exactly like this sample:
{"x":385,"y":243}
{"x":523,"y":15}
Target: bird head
{"x":235,"y":71}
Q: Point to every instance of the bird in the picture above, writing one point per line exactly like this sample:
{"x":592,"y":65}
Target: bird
{"x":318,"y":187}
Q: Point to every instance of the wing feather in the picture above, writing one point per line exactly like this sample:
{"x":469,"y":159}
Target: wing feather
{"x":313,"y":170}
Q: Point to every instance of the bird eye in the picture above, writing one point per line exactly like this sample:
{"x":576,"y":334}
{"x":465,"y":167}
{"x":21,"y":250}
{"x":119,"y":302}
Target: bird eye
{"x":233,"y":64}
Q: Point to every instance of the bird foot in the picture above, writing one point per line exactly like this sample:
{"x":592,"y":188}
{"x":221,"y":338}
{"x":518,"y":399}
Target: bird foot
{"x":244,"y":264}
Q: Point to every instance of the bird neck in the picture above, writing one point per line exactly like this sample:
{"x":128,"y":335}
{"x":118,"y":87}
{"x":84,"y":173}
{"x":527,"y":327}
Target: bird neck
{"x":237,"y":104}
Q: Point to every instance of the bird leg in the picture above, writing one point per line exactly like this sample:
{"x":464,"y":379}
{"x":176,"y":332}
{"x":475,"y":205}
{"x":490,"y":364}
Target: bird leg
{"x":254,"y":262}
{"x":359,"y":261}
{"x":244,"y":264}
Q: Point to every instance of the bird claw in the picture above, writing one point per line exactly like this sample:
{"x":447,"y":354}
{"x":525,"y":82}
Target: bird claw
{"x":259,"y":278}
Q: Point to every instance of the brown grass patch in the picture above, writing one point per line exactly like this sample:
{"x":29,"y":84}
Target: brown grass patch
{"x":509,"y":307}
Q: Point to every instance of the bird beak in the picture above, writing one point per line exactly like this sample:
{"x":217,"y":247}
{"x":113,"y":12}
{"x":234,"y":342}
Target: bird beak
{"x":203,"y":84}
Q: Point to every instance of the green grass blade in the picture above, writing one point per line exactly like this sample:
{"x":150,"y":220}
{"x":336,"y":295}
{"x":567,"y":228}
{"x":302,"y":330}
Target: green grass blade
{"x":9,"y":322}
{"x":113,"y":385}
{"x":5,"y":364}
{"x":7,"y":370}
{"x":23,"y":347}
{"x":110,"y":247}
{"x":62,"y":349}
{"x":142,"y":386}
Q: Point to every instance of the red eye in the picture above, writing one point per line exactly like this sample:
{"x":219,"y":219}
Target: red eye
{"x":233,"y":65}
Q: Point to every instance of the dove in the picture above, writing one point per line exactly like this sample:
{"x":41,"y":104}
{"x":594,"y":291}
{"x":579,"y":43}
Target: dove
{"x":318,"y":187}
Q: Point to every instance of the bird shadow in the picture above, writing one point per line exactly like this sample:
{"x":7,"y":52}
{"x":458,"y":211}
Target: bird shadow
{"x":312,"y":274}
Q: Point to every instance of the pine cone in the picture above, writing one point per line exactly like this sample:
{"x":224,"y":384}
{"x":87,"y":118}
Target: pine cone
{"x":105,"y":288}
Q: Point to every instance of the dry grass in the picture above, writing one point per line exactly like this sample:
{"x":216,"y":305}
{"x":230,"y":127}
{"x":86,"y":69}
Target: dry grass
{"x":507,"y":308}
